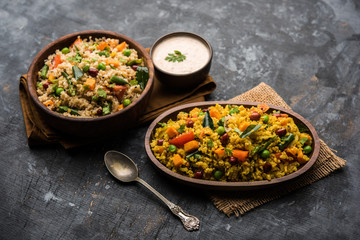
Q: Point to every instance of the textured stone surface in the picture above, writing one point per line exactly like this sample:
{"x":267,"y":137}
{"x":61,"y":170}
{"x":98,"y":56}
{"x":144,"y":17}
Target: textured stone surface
{"x":308,"y":51}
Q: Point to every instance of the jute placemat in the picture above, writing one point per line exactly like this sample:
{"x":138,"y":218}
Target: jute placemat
{"x":239,"y":203}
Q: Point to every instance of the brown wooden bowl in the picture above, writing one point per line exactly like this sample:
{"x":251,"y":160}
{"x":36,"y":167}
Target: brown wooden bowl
{"x":90,"y":127}
{"x":228,"y":186}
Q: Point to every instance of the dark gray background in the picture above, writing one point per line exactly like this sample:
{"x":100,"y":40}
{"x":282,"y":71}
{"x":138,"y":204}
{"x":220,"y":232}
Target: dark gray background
{"x":308,"y":51}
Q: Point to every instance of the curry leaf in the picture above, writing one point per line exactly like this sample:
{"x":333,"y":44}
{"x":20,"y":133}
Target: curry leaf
{"x":142,"y":76}
{"x":249,"y":130}
{"x":207,"y":121}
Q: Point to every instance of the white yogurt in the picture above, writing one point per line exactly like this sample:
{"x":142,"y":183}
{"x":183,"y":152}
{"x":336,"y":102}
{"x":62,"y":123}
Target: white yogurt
{"x":196,"y":52}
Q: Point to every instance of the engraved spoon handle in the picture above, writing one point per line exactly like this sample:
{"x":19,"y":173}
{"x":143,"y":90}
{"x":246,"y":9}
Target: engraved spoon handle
{"x":190,"y":222}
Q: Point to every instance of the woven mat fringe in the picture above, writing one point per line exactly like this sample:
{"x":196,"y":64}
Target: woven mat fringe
{"x":239,"y":203}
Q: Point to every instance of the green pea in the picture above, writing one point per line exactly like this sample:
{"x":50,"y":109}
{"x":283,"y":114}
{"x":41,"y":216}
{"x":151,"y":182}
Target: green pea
{"x":307,"y":150}
{"x":101,"y":66}
{"x":218,"y":174}
{"x":58,"y":91}
{"x":86,"y":68}
{"x":265,"y":154}
{"x":172,"y":148}
{"x":220,"y":130}
{"x":126,"y":102}
{"x":65,"y":50}
{"x":265,"y":119}
{"x":127,"y":52}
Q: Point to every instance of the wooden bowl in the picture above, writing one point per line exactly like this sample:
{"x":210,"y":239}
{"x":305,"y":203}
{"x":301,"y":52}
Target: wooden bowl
{"x":228,"y":186}
{"x":90,"y":127}
{"x":181,"y":81}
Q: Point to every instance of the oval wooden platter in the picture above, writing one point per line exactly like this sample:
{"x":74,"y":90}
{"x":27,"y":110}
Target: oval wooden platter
{"x":229,"y":186}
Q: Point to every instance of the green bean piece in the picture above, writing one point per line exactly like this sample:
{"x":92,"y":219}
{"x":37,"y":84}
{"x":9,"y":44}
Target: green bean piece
{"x":86,"y":68}
{"x":133,"y":62}
{"x":65,"y":50}
{"x":106,"y":109}
{"x":286,"y":141}
{"x":101,"y":66}
{"x":71,"y":90}
{"x":43,"y":72}
{"x":118,"y":80}
{"x":127,"y":52}
{"x":126,"y":102}
{"x":63,"y":109}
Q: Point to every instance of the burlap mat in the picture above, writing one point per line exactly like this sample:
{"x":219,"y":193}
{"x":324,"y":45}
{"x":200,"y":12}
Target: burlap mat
{"x":39,"y":133}
{"x":241,"y":202}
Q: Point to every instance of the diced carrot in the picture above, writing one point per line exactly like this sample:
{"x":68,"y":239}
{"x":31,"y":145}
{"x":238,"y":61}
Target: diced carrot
{"x":215,"y":113}
{"x":277,"y":155}
{"x":192,"y":119}
{"x":51,"y":77}
{"x":90,"y":83}
{"x":243,"y":126}
{"x":292,"y":152}
{"x":77,"y":42}
{"x":102,"y":46}
{"x":177,"y":160}
{"x":112,"y":42}
{"x":179,"y":141}
{"x":121,"y":46}
{"x":57,"y":60}
{"x":113,"y":62}
{"x":300,"y":157}
{"x":119,"y":91}
{"x":120,"y":107}
{"x":171,"y":132}
{"x":283,"y":121}
{"x":191,"y":146}
{"x":49,"y":103}
{"x":220,"y":152}
{"x":240,"y":155}
{"x":264,"y":107}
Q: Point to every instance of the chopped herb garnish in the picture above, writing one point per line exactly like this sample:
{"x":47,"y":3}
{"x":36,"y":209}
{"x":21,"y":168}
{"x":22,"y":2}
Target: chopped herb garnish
{"x":303,"y":140}
{"x":210,"y":143}
{"x":133,"y":82}
{"x":112,"y":66}
{"x":162,"y":124}
{"x":181,"y":129}
{"x":234,"y":110}
{"x":221,"y":122}
{"x":175,"y":57}
{"x":101,"y":93}
{"x":302,"y":128}
{"x":228,"y":152}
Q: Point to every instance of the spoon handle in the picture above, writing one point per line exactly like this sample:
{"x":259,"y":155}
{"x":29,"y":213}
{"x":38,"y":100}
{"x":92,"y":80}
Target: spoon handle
{"x":190,"y":222}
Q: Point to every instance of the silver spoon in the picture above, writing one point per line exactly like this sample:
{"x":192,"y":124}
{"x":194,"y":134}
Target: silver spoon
{"x":125,"y":170}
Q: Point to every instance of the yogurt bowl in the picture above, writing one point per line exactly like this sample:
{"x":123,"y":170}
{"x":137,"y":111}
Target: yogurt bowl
{"x":181,"y":59}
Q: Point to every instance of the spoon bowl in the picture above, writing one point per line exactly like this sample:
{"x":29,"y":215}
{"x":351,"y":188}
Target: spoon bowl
{"x":124,"y":169}
{"x":121,"y":166}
